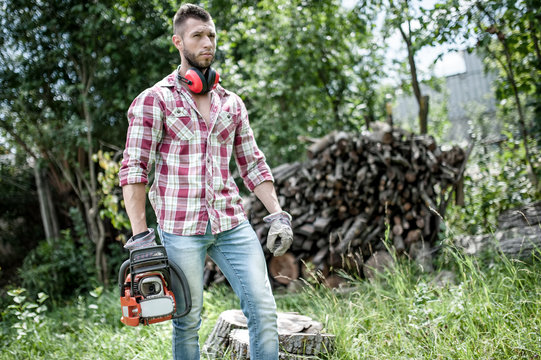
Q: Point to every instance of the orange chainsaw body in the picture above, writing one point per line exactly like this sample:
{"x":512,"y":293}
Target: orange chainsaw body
{"x":132,"y":311}
{"x":146,"y":283}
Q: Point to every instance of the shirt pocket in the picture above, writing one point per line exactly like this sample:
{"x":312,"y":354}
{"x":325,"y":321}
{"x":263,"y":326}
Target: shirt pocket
{"x":225,"y":128}
{"x":179,"y":127}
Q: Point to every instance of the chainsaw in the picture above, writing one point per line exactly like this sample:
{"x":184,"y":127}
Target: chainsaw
{"x":152,"y":288}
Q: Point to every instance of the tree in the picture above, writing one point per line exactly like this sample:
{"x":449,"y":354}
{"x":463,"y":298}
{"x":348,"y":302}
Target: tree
{"x":304,"y":68}
{"x":509,"y":33}
{"x":415,"y":30}
{"x":19,"y":214}
{"x":69,"y":69}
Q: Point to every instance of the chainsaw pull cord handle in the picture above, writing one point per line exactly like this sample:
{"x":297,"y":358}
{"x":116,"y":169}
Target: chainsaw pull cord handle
{"x":185,"y":287}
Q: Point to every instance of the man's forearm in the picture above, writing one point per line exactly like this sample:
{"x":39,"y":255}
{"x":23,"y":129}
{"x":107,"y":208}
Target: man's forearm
{"x":135,"y":201}
{"x":266,"y":193}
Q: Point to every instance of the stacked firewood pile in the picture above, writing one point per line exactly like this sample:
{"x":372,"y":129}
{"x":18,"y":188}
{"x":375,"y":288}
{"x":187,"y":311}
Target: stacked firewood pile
{"x":351,"y":190}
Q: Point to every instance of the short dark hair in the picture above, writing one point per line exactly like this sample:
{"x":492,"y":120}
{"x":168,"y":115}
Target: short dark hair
{"x":187,"y":11}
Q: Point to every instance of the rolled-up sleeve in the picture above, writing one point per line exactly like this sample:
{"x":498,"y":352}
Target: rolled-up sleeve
{"x":145,"y":129}
{"x":250,"y":160}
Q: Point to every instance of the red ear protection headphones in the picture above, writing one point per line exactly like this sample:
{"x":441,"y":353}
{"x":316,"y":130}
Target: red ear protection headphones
{"x":200,"y":83}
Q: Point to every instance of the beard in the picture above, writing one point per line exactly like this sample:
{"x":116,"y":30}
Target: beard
{"x":200,"y":65}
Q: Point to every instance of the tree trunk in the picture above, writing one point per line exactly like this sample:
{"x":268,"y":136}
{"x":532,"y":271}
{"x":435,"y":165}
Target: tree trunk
{"x":422,"y":101}
{"x":96,"y":232}
{"x":46,"y":207}
{"x":521,"y":118}
{"x":508,"y":67}
{"x":423,"y":114}
{"x":95,"y":223}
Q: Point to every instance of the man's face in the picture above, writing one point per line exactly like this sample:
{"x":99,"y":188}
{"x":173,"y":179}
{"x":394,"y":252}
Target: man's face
{"x":197,"y":43}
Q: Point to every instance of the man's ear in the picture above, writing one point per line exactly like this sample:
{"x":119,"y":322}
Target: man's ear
{"x":177,"y":41}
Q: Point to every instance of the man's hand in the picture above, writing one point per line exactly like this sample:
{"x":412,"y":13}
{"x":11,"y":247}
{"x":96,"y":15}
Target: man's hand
{"x":141,"y":240}
{"x":280,"y":228}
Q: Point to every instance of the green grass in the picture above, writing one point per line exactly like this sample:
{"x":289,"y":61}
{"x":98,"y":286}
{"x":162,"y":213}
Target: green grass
{"x":491,"y":311}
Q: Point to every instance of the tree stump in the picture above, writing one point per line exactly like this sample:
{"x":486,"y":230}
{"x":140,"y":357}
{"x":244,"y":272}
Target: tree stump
{"x":218,"y":339}
{"x":299,"y":336}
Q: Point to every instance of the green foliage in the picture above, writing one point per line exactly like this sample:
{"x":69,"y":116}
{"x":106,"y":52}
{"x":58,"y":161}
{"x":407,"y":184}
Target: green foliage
{"x":68,"y":72}
{"x":304,"y":68}
{"x":110,"y":192}
{"x":61,"y":268}
{"x":508,"y":33}
{"x":57,"y":55}
{"x":494,"y":182}
{"x":25,"y":316}
{"x":497,"y":177}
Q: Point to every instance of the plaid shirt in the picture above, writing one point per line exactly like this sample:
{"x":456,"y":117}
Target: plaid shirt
{"x":192,"y":183}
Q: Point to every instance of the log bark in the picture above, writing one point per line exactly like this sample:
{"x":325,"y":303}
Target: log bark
{"x":218,"y":340}
{"x":518,"y":235}
{"x":528,"y":215}
{"x":518,"y":242}
{"x":292,"y":346}
{"x":300,"y":337}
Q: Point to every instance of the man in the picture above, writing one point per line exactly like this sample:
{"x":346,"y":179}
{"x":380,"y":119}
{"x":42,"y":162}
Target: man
{"x":190,"y":126}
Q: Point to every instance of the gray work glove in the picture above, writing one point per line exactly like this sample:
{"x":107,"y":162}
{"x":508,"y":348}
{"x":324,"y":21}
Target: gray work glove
{"x":141,"y":240}
{"x":280,"y":227}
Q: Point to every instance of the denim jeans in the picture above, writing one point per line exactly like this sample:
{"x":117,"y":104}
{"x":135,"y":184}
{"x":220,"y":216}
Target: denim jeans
{"x":239,"y":256}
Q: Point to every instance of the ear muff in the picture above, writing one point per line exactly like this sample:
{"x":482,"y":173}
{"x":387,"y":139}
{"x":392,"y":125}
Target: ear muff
{"x":200,"y":83}
{"x":213,"y":78}
{"x":196,"y":80}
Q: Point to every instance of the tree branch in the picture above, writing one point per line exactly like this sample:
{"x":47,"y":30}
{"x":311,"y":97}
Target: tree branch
{"x":21,"y":142}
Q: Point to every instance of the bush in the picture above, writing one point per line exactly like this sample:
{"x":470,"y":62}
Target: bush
{"x":496,"y":179}
{"x":25,"y":316}
{"x":20,"y":221}
{"x":59,"y":267}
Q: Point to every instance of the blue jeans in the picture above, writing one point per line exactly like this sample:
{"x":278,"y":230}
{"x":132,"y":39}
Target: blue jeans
{"x":239,"y":256}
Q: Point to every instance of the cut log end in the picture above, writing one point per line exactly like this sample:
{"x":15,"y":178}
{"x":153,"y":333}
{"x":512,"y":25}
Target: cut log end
{"x":299,"y":336}
{"x":284,"y":269}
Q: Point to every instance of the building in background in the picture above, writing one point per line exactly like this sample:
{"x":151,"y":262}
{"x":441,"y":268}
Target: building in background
{"x":466,"y":96}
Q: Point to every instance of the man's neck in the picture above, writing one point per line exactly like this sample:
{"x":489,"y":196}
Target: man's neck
{"x":184,"y":69}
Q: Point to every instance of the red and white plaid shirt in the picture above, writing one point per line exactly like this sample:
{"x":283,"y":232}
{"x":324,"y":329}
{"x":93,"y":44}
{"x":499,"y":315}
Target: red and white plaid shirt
{"x":192,"y":182}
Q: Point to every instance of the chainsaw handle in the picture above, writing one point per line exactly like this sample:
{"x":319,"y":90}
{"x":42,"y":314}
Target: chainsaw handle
{"x":185,"y":287}
{"x":122,"y":272}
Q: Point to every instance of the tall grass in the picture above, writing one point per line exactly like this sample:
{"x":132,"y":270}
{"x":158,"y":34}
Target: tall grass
{"x":490,"y":311}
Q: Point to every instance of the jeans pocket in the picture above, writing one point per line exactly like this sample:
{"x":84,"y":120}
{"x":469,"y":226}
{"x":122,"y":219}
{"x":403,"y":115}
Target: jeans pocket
{"x":161,"y":235}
